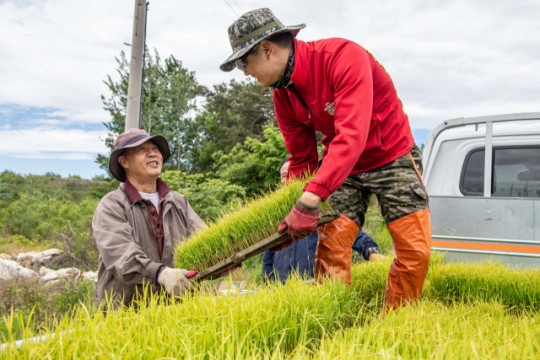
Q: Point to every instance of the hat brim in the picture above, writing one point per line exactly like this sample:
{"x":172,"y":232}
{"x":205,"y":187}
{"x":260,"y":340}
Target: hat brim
{"x":240,"y":51}
{"x":118,"y":171}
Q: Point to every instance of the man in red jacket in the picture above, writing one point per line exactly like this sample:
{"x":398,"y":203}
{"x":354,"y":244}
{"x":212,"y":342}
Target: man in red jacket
{"x":336,"y":87}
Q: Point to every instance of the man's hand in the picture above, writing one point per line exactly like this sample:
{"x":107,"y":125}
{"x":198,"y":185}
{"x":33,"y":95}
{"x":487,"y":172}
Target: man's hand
{"x":175,"y":281}
{"x":301,"y":221}
{"x":376,"y":256}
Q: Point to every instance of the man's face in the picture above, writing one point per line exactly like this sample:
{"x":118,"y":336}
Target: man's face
{"x":142,"y":162}
{"x":283,"y":173}
{"x":264,"y":64}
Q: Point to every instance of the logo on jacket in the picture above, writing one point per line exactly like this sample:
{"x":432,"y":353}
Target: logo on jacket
{"x":330,"y":108}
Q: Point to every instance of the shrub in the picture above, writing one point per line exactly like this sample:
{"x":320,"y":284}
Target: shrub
{"x":208,"y":197}
{"x":253,"y":164}
{"x":13,"y":243}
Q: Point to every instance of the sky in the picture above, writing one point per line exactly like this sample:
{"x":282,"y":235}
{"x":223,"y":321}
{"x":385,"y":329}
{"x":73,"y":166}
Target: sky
{"x":448,"y":59}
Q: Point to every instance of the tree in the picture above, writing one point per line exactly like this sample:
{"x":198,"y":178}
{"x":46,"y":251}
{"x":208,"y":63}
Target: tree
{"x":232,"y":112}
{"x":168,"y":99}
{"x":253,"y":164}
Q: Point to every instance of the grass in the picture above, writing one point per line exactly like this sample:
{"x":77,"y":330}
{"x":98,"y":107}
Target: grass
{"x":279,"y":317}
{"x":240,"y":228}
{"x":486,"y":282}
{"x":319,"y":321}
{"x":33,"y":305}
{"x":467,"y":311}
{"x":433,"y":331}
{"x":466,"y":283}
{"x":15,"y":244}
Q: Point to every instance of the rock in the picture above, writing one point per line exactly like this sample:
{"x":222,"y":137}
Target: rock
{"x":50,"y":276}
{"x":34,"y":258}
{"x":90,"y":275}
{"x":9,"y":269}
{"x":45,"y":271}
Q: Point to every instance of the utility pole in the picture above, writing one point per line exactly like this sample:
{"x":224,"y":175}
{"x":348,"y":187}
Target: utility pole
{"x":136,"y":67}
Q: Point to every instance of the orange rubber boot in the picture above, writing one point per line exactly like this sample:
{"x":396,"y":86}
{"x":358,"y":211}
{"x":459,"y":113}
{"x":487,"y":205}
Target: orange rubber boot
{"x":334,"y":250}
{"x":412,"y":240}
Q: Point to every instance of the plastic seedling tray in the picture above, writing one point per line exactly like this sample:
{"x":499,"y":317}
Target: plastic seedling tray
{"x":260,"y":247}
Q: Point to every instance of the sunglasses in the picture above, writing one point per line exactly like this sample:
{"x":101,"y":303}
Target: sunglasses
{"x":241,"y":63}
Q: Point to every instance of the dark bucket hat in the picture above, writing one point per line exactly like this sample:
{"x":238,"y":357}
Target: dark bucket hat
{"x":130,"y":139}
{"x":250,"y":29}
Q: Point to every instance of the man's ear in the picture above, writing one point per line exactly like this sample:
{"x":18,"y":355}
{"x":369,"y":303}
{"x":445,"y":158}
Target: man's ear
{"x":267,"y":47}
{"x":123,"y":161}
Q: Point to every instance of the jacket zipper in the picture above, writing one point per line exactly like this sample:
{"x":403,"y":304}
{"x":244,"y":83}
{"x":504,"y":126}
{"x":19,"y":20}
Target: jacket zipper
{"x":302,"y":101}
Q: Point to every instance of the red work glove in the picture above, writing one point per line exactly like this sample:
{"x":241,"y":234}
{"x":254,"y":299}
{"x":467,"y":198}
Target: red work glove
{"x":301,"y":222}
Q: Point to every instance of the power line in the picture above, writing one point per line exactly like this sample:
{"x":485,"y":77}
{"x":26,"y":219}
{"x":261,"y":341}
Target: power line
{"x":239,"y":6}
{"x":231,"y":8}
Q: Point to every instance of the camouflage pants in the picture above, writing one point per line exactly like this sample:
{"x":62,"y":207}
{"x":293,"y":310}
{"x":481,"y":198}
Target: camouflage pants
{"x":396,"y":186}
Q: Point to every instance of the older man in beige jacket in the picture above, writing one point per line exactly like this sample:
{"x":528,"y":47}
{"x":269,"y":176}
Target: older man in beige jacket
{"x":137,"y":227}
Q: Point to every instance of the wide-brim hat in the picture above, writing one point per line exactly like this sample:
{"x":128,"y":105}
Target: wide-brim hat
{"x":130,"y":139}
{"x":250,"y":29}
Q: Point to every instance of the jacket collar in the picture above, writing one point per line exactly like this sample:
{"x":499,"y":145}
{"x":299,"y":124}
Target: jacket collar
{"x":133,"y":194}
{"x":301,"y":63}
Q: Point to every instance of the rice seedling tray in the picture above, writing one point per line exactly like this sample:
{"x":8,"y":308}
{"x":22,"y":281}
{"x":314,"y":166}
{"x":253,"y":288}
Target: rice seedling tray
{"x":260,"y":247}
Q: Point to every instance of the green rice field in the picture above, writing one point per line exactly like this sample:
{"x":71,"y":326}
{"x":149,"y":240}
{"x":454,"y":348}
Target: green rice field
{"x":467,"y":311}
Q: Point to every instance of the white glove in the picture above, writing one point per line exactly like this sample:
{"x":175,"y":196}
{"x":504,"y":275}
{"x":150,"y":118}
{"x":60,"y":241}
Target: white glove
{"x":174,"y":281}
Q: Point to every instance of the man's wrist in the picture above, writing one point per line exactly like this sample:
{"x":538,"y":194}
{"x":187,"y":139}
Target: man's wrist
{"x":159,"y":272}
{"x":310,"y":198}
{"x":307,"y":206}
{"x":371,"y":251}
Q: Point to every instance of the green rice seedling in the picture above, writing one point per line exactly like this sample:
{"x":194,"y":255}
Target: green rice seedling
{"x":485,"y":281}
{"x":458,"y":282}
{"x":240,"y":228}
{"x":319,"y":321}
{"x":275,"y":319}
{"x":369,"y":279}
{"x":433,"y":331}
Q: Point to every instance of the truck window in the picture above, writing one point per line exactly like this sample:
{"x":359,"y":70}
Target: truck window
{"x":472,"y":176}
{"x":515,"y":173}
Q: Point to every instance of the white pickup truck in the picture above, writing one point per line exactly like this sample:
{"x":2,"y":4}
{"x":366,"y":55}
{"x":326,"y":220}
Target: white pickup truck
{"x":482,"y":175}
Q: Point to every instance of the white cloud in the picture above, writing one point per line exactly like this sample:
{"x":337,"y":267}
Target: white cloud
{"x":447,"y":58}
{"x":45,"y":142}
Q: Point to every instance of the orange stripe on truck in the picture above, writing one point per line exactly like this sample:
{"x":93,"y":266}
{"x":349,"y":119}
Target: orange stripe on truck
{"x":478,"y":246}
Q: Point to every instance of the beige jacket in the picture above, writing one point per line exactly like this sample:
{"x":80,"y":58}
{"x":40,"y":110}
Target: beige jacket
{"x":128,"y":254}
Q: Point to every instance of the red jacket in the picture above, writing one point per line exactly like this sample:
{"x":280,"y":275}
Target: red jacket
{"x":352,"y":100}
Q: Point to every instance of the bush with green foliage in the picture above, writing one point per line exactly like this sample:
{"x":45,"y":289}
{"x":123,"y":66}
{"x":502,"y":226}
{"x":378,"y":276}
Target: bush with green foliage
{"x":208,"y":197}
{"x":39,"y":216}
{"x":254,"y":164}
